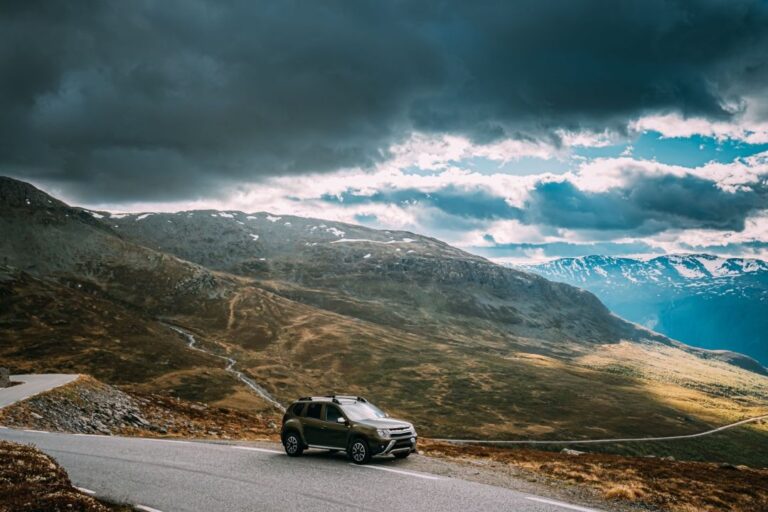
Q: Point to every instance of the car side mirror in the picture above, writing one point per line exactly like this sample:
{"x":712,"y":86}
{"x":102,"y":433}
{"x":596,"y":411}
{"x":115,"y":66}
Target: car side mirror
{"x":343,"y":421}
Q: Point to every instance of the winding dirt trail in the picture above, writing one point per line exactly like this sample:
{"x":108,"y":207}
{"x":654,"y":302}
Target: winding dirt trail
{"x":232,"y":304}
{"x":230,"y":367}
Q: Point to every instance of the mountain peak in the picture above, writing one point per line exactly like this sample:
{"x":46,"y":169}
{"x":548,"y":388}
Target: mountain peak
{"x":18,"y":194}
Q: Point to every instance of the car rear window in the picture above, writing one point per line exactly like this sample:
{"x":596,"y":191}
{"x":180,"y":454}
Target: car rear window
{"x":313,"y":411}
{"x":297,"y":408}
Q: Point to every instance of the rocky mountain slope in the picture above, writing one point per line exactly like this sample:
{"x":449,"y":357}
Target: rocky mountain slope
{"x":308,"y":306}
{"x":392,"y":278}
{"x":700,"y":299}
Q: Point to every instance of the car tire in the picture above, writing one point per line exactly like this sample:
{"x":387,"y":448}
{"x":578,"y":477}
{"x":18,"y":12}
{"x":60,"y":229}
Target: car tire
{"x":401,"y":455}
{"x":359,"y":451}
{"x":293,"y":444}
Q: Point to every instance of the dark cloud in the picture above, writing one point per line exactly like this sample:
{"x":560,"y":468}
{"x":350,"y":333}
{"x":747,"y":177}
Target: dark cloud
{"x":645,"y":204}
{"x":476,"y":203}
{"x":174,"y":99}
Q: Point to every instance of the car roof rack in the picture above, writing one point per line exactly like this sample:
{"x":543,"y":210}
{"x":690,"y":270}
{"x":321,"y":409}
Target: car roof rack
{"x":350,"y":397}
{"x":333,"y":398}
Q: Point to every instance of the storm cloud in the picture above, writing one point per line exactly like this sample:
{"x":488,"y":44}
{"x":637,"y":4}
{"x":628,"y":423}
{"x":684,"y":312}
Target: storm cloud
{"x":150,"y":101}
{"x":644,"y":200}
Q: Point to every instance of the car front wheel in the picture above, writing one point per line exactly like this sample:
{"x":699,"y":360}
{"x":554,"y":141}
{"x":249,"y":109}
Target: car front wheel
{"x":359,"y":451}
{"x":292,"y":444}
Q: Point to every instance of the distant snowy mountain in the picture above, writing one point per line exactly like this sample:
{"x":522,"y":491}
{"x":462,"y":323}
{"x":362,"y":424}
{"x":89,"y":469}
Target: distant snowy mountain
{"x":700,"y":299}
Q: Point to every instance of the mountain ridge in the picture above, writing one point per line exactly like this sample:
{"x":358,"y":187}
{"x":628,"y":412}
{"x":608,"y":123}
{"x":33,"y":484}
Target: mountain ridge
{"x":691,"y":297}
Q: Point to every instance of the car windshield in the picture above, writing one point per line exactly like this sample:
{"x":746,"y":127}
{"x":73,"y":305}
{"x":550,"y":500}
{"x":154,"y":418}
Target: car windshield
{"x":362,"y":411}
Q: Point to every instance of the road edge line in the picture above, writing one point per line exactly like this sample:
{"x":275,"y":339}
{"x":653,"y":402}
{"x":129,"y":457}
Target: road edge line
{"x":399,"y":471}
{"x":561,"y":504}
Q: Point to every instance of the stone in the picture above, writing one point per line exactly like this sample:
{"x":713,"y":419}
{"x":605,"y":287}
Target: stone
{"x":568,"y":451}
{"x":5,"y":378}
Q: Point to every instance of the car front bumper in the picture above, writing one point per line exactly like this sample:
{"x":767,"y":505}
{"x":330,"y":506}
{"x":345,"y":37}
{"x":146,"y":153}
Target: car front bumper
{"x":393,"y":446}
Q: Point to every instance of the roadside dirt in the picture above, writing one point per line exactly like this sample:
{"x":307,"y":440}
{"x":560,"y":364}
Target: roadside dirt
{"x":648,"y":482}
{"x":31,"y":481}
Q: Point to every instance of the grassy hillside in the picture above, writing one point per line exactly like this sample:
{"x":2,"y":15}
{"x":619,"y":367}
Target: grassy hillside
{"x":461,"y":346}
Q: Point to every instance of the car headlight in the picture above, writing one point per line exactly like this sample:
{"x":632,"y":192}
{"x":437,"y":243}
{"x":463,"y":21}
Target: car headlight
{"x":383,"y":432}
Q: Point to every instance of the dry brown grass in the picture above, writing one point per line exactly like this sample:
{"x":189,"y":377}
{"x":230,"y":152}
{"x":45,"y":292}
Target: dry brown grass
{"x":31,"y":481}
{"x":669,"y":485}
{"x":626,"y":492}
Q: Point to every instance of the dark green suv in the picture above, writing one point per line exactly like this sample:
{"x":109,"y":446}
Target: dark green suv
{"x":349,"y":423}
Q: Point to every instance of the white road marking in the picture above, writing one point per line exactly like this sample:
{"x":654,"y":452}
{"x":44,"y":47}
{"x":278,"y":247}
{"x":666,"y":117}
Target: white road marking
{"x":177,"y":441}
{"x":561,"y":504}
{"x":146,"y":508}
{"x":252,"y":449}
{"x":86,"y":491}
{"x":102,"y":436}
{"x":408,"y":473}
{"x":36,"y":431}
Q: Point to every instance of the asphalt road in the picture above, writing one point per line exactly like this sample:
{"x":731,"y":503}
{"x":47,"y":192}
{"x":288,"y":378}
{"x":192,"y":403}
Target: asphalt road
{"x":172,"y":476}
{"x":32,"y":385}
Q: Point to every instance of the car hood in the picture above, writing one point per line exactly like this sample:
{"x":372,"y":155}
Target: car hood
{"x":385,"y":423}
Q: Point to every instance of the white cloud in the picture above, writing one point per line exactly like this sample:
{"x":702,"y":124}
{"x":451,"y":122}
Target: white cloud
{"x":674,"y":125}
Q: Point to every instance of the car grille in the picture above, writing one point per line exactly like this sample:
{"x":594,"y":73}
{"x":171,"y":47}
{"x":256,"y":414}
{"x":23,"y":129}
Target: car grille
{"x":399,"y":433}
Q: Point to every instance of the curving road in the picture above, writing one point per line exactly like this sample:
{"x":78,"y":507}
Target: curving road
{"x":32,"y":385}
{"x":166,"y":476}
{"x":606,"y":441}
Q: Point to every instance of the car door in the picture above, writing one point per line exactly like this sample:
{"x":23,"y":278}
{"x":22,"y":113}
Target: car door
{"x":313,"y":424}
{"x":334,"y":433}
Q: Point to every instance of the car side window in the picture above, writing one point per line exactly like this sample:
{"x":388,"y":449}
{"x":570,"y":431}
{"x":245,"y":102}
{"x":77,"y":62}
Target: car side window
{"x":313,"y":411}
{"x":332,"y":413}
{"x":297,"y":408}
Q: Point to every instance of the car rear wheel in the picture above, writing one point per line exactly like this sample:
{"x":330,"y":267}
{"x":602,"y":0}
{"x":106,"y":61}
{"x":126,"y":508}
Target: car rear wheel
{"x":293,"y":445}
{"x":359,"y":451}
